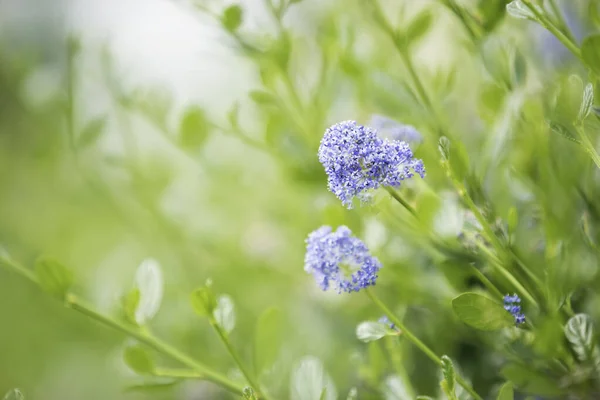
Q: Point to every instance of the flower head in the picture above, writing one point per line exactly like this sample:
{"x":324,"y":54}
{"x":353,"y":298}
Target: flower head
{"x":511,"y":304}
{"x":357,"y":161}
{"x":338,"y":259}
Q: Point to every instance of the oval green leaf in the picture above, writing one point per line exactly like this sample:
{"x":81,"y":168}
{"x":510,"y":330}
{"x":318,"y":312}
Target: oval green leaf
{"x":481,"y":312}
{"x":506,"y":392}
{"x":138,"y":359}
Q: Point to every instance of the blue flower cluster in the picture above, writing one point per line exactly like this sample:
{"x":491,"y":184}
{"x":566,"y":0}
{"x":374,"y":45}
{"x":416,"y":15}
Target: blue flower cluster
{"x":340,"y":260}
{"x":512,"y":305}
{"x":357,"y":161}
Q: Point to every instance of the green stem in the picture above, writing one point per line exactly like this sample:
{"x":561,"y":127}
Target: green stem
{"x":400,"y":200}
{"x":225,"y":339}
{"x":73,"y":302}
{"x":546,"y":23}
{"x":562,"y":23}
{"x":487,"y":283}
{"x":416,"y":341}
{"x":177,"y":373}
{"x":588,"y":145}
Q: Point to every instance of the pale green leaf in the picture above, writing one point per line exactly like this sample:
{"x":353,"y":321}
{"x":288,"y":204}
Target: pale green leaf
{"x":506,"y":392}
{"x":149,"y":281}
{"x":481,"y":312}
{"x":138,"y":359}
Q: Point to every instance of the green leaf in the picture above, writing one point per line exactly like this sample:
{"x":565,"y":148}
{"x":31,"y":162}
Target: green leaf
{"x":481,"y":312}
{"x":14,"y":394}
{"x":232,"y":18}
{"x":418,"y":27}
{"x":369,"y":331}
{"x":129,"y":304}
{"x":352,"y":394}
{"x":249,"y":393}
{"x":203,"y":301}
{"x":586,"y":103}
{"x":91,"y":132}
{"x":563,"y":131}
{"x":590,"y":52}
{"x":224,"y":313}
{"x":54,"y":277}
{"x":268,"y":338}
{"x":310,"y":381}
{"x":517,"y":9}
{"x":506,"y":392}
{"x":194,"y":128}
{"x":263,"y":98}
{"x":519,"y":68}
{"x":138,"y":359}
{"x":449,"y":375}
{"x":579,"y":331}
{"x":531,"y":381}
{"x":512,"y":220}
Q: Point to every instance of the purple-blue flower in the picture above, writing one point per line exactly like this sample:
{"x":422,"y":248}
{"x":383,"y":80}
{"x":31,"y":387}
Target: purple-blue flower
{"x":358,"y":161}
{"x":511,"y":304}
{"x":340,"y":260}
{"x":386,"y":321}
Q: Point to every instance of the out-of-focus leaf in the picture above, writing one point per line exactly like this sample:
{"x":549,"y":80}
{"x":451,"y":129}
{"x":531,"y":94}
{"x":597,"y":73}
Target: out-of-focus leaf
{"x":394,"y":388}
{"x":517,"y":9}
{"x":309,"y":379}
{"x":14,"y":394}
{"x":261,"y":97}
{"x":506,"y":392}
{"x":590,"y":51}
{"x":149,"y":281}
{"x":91,"y":132}
{"x":224,"y":313}
{"x":531,"y":381}
{"x":369,"y":331}
{"x":54,"y":277}
{"x":418,"y":27}
{"x":268,"y":338}
{"x":203,"y":301}
{"x":481,"y":312}
{"x":130,"y":303}
{"x":352,"y":394}
{"x":193,"y":128}
{"x":138,"y":359}
{"x":519,"y":68}
{"x":232,"y":18}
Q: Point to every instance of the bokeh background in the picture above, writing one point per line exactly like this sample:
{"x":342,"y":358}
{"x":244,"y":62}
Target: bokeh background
{"x":135,"y":129}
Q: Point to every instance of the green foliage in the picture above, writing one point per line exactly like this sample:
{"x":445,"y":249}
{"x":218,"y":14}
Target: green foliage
{"x":481,"y":312}
{"x":449,"y":378}
{"x":249,"y":394}
{"x":54,"y":277}
{"x":138,"y":359}
{"x":232,"y":17}
{"x":268,"y":339}
{"x":194,"y":128}
{"x":506,"y":392}
{"x":204,"y":301}
{"x":130,"y":304}
{"x":528,"y":380}
{"x":14,"y":394}
{"x":91,"y":132}
{"x":590,"y":51}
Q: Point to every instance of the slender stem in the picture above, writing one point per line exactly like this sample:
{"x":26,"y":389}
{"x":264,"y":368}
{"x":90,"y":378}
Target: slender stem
{"x":225,"y":339}
{"x":562,"y":23}
{"x":177,"y":373}
{"x":546,"y":23}
{"x":488,"y":284}
{"x":155,"y":343}
{"x":588,"y":145}
{"x":400,"y":200}
{"x":416,"y":341}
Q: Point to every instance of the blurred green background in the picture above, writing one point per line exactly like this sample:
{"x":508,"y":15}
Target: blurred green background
{"x":145,"y":129}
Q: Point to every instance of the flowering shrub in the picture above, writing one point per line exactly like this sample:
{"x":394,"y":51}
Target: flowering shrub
{"x":476,"y":280}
